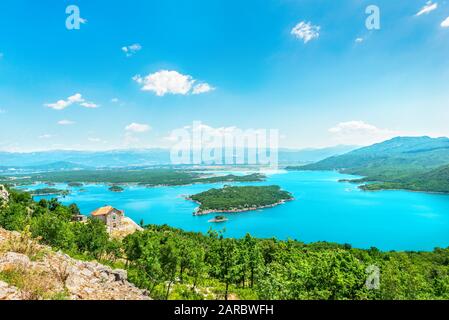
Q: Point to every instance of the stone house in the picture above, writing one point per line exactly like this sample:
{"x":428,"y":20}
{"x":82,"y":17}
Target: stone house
{"x":113,"y":218}
{"x":79,"y":218}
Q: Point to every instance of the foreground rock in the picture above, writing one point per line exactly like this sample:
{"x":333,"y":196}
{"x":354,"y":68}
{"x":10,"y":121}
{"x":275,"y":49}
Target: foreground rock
{"x":32,"y":271}
{"x":8,"y":292}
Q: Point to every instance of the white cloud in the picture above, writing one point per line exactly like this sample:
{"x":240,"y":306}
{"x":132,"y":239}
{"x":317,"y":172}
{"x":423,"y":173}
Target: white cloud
{"x":114,"y":100}
{"x":96,"y":140}
{"x":170,"y":82}
{"x":306,"y":31}
{"x":211,"y":136}
{"x":76,"y":98}
{"x":132,"y":49}
{"x":429,"y":7}
{"x":360,"y":133}
{"x":137,"y":127}
{"x":89,"y":105}
{"x":359,"y":40}
{"x":131,"y":135}
{"x":65,"y":122}
{"x":164,"y":81}
{"x":445,"y":23}
{"x":62,"y":104}
{"x":45,"y":136}
{"x":202,"y":88}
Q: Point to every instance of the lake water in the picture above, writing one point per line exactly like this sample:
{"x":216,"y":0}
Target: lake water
{"x":323,"y":210}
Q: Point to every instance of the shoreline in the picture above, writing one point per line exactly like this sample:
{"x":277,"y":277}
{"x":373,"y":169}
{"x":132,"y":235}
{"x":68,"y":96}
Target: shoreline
{"x":138,"y":184}
{"x":403,"y":189}
{"x":362,"y":184}
{"x":198,"y":212}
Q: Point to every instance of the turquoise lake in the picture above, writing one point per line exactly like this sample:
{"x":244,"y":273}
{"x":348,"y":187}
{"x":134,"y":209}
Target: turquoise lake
{"x":323,"y":210}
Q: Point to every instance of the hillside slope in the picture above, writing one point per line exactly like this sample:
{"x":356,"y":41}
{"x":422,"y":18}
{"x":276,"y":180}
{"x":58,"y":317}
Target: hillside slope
{"x":400,"y":153}
{"x":413,"y":163}
{"x":436,"y":180}
{"x":30,"y":271}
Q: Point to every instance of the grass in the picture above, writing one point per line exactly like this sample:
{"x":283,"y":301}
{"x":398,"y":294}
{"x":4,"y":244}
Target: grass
{"x":36,"y":285}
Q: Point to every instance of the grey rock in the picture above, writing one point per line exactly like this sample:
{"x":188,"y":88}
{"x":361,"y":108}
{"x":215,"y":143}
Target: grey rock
{"x":8,"y":292}
{"x":14,"y":259}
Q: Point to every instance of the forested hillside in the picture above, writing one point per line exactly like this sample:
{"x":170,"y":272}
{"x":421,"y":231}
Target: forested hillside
{"x":173,"y":264}
{"x":239,"y":198}
{"x":414,"y":163}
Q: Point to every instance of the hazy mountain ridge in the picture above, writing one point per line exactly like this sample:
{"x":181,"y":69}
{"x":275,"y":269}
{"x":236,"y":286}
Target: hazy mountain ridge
{"x":136,"y":157}
{"x":414,"y":163}
{"x":407,"y":152}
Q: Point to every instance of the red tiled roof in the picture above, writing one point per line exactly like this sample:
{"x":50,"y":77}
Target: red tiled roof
{"x":104,"y":211}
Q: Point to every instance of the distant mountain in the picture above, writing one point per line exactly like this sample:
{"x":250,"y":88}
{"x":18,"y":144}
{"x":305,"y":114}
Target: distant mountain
{"x":311,"y":154}
{"x":436,"y":180}
{"x":60,"y":165}
{"x":113,"y":158}
{"x":397,"y":154}
{"x":138,"y":157}
{"x":54,"y":166}
{"x":413,"y":163}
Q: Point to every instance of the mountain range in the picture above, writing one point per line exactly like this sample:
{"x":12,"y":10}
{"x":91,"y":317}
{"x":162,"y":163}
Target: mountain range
{"x":414,"y":163}
{"x":66,"y":160}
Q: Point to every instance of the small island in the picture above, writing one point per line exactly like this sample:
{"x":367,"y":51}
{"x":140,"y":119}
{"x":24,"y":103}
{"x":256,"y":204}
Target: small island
{"x":239,"y":199}
{"x":75,"y":184}
{"x":116,"y":189}
{"x":49,"y":192}
{"x":219,"y":219}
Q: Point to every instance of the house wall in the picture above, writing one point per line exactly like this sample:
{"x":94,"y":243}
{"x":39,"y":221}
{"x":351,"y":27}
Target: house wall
{"x":102,"y":218}
{"x":113,"y":220}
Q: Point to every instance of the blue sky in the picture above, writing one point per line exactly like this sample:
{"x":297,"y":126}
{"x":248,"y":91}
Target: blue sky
{"x":225,"y":63}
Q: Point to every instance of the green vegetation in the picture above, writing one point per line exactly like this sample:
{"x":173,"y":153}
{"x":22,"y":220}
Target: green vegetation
{"x":432,"y":181}
{"x":52,"y":222}
{"x":234,"y":199}
{"x":152,"y":177}
{"x":219,"y":219}
{"x":173,"y":264}
{"x":49,"y":191}
{"x":75,"y":184}
{"x":418,"y":164}
{"x":116,"y":189}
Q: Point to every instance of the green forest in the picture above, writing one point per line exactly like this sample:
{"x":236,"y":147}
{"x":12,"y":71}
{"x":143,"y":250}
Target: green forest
{"x":240,"y":198}
{"x":48,"y":191}
{"x":173,"y":264}
{"x":411,"y":163}
{"x":151,"y":177}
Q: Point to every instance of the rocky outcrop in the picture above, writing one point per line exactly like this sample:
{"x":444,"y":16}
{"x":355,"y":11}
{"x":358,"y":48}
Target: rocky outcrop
{"x":127,"y":227}
{"x":8,"y":292}
{"x":41,"y":273}
{"x":4,"y":195}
